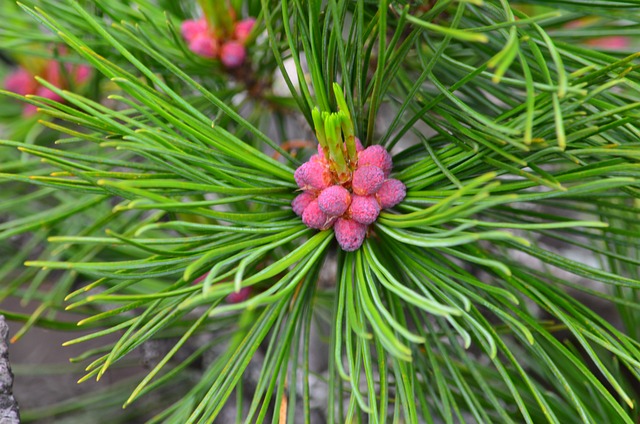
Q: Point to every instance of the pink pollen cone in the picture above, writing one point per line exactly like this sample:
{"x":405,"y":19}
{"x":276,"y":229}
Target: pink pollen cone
{"x":334,"y":200}
{"x":350,"y":234}
{"x":233,"y":54}
{"x":192,"y":27}
{"x":376,"y":156}
{"x":240,"y":296}
{"x":367,"y":180}
{"x":364,"y":209}
{"x":243,"y":29}
{"x":298,"y":175}
{"x":200,"y":278}
{"x":391,"y":193}
{"x":313,"y":217}
{"x":20,"y":82}
{"x":301,"y":202}
{"x":312,"y":175}
{"x":204,"y":45}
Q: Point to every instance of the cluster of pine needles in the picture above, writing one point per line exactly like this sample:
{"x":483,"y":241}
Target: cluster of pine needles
{"x":133,"y":205}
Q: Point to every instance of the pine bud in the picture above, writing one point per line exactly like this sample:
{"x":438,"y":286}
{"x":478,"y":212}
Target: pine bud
{"x":334,"y":200}
{"x":313,"y":217}
{"x":301,"y":202}
{"x":20,"y":82}
{"x":391,"y":193}
{"x":376,"y":156}
{"x":243,"y":29}
{"x":367,"y":180}
{"x":350,"y":234}
{"x":240,"y":296}
{"x":204,"y":45}
{"x":192,"y":27}
{"x":233,"y":54}
{"x":364,"y":209}
{"x":312,"y":176}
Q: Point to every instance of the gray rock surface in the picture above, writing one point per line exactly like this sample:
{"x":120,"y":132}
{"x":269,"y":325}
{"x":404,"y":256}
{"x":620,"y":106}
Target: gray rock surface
{"x":8,"y":405}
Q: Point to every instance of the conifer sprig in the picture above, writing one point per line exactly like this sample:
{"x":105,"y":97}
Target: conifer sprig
{"x":161,"y":197}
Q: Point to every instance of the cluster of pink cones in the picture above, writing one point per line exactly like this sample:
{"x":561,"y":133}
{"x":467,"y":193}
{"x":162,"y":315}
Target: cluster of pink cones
{"x":348,"y":207}
{"x":203,"y":41}
{"x":23,"y":82}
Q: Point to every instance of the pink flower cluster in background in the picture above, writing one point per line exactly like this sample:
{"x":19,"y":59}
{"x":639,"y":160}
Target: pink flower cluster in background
{"x":613,"y":42}
{"x":202,"y":40}
{"x":349,"y":208}
{"x":23,"y":82}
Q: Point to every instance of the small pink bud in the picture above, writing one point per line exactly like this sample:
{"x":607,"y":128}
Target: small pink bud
{"x":391,"y":193}
{"x":301,"y":202}
{"x":350,"y":234}
{"x":204,"y":45}
{"x":367,"y":180}
{"x":334,"y":200}
{"x":376,"y":156}
{"x":299,"y":174}
{"x":313,"y":217}
{"x":312,"y":176}
{"x":233,"y":54}
{"x":192,"y":27}
{"x":243,"y":29}
{"x":240,"y":296}
{"x":200,"y":278}
{"x":364,"y":209}
{"x":20,"y":82}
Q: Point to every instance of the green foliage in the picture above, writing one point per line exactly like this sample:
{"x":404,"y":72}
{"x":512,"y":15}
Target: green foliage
{"x":518,"y":146}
